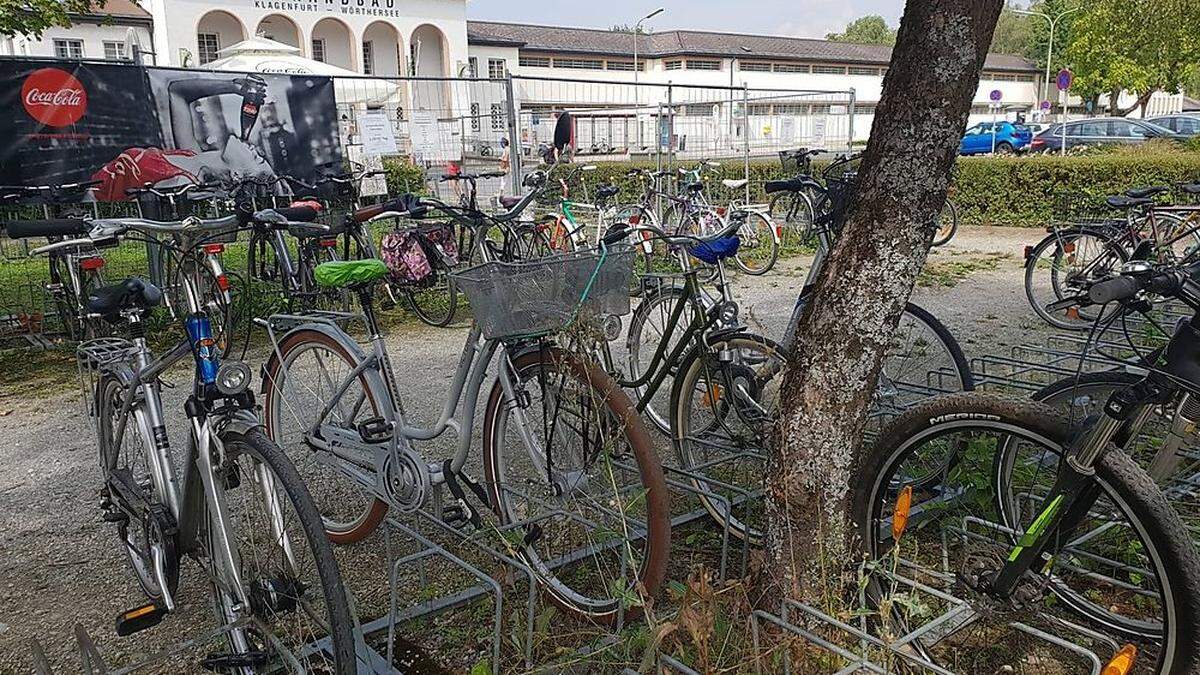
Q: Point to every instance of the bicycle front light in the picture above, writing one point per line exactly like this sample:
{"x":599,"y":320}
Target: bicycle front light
{"x":233,"y":377}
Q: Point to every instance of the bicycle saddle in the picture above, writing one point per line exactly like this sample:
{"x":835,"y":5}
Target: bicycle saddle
{"x":1124,"y":202}
{"x":1190,"y":188}
{"x":1146,"y":191}
{"x":58,"y":227}
{"x":734,"y":184}
{"x":283,"y":215}
{"x":606,"y":191}
{"x":347,"y":273}
{"x":108,"y":301}
{"x":509,"y":202}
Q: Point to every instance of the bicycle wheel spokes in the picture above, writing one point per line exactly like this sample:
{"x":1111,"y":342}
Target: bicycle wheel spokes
{"x":279,"y":571}
{"x":300,"y":388}
{"x":724,"y":414}
{"x":573,"y":493}
{"x":974,"y":493}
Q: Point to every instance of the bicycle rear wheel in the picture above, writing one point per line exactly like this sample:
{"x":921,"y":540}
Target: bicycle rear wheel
{"x":947,"y":224}
{"x":571,"y":472}
{"x":285,"y":564}
{"x":794,"y":213}
{"x":434,"y":300}
{"x":758,"y":249}
{"x":1062,"y":265}
{"x":1129,"y":569}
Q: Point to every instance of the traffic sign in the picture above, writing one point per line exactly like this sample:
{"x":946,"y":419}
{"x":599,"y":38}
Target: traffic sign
{"x":996,"y":95}
{"x":1065,"y":78}
{"x":1045,"y":105}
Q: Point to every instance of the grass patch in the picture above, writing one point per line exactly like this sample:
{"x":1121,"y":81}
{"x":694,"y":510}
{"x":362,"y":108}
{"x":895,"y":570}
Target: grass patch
{"x":947,"y":274}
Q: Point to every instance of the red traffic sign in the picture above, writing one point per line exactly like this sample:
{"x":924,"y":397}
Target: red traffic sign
{"x":995,"y":95}
{"x":1064,"y":79}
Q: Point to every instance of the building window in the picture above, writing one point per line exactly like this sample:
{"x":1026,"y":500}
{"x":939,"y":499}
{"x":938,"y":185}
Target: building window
{"x":473,"y":71}
{"x":621,"y":65}
{"x":790,"y":109}
{"x":579,"y":64}
{"x":318,"y":49}
{"x":672,"y":65}
{"x":697,"y":64}
{"x":207,"y":46}
{"x":497,"y":117}
{"x":697,"y":110}
{"x":829,"y":70}
{"x":368,"y":58}
{"x":859,"y":70}
{"x":534,"y":61}
{"x":68,"y":49}
{"x":791,"y":68}
{"x":1025,"y":78}
{"x":497,"y":69}
{"x":759,"y":109}
{"x":755,"y":67}
{"x":115,"y":51}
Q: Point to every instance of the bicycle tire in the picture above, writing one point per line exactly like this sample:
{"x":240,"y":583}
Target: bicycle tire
{"x":344,"y":520}
{"x":946,"y":229}
{"x":795,"y":211}
{"x":623,"y":420}
{"x":1059,"y":240}
{"x":436,"y":306}
{"x":764,"y":236}
{"x":338,"y":620}
{"x":1158,"y":528}
{"x":653,"y":303}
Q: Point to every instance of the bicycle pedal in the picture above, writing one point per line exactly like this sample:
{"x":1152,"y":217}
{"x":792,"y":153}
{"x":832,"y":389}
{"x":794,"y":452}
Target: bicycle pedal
{"x":114,"y":517}
{"x":375,"y":430}
{"x":219,"y":663}
{"x":140,"y":618}
{"x":457,"y":517}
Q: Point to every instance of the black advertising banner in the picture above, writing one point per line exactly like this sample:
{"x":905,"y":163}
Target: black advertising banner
{"x":127,"y":126}
{"x":61,"y":121}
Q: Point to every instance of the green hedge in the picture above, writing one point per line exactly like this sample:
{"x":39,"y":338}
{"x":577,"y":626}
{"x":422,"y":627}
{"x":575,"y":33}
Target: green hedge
{"x":1026,"y":191}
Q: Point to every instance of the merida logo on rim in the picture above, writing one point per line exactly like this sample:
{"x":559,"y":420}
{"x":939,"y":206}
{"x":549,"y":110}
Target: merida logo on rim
{"x":54,"y":97}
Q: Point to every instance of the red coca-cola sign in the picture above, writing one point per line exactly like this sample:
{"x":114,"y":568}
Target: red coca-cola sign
{"x":53,"y":97}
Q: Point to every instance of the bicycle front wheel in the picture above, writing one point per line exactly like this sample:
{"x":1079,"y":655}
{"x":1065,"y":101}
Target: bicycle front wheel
{"x":758,"y":249}
{"x":1063,"y":265}
{"x":1129,"y":568}
{"x":794,"y":213}
{"x":283,"y":560}
{"x":571,"y":471}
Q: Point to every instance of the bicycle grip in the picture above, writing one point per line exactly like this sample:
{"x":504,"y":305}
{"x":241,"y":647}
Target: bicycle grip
{"x":615,"y":234}
{"x":1109,"y":290}
{"x":297,"y":214}
{"x":58,"y":227}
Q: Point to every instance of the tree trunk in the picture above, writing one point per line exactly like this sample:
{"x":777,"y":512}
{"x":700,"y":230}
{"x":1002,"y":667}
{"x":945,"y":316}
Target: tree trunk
{"x":859,"y":296}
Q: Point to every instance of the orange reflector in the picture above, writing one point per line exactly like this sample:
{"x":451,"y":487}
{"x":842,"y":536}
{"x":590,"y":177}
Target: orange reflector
{"x":1069,"y":248}
{"x":1122,"y":662}
{"x":720,"y":210}
{"x":713,"y":395}
{"x":213,"y":249}
{"x":223,"y":282}
{"x":90,"y":264}
{"x":328,"y":243}
{"x":778,"y":231}
{"x":900,"y":515}
{"x":140,"y":611}
{"x":1073,"y":313}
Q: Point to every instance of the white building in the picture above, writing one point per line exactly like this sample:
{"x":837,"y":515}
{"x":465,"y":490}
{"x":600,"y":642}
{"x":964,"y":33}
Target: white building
{"x":104,"y":35}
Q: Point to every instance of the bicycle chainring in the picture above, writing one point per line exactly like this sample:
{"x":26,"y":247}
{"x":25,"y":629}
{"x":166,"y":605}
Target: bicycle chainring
{"x":405,"y":480}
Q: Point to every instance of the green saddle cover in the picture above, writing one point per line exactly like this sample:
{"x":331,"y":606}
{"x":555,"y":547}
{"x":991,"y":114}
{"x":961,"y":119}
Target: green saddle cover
{"x":349,"y":272}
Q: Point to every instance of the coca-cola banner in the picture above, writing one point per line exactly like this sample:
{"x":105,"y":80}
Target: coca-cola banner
{"x":127,"y":126}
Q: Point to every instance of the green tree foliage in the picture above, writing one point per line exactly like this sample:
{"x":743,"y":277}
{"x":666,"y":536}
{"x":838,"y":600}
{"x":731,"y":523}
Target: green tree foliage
{"x":1039,"y":31}
{"x":1014,"y":33}
{"x":869,"y":30}
{"x":1139,"y":46}
{"x":33,"y":17}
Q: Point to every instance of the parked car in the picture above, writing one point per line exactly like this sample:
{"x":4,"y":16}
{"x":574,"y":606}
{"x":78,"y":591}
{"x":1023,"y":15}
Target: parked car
{"x":1009,"y":138}
{"x":1181,"y":123}
{"x":1100,"y":131}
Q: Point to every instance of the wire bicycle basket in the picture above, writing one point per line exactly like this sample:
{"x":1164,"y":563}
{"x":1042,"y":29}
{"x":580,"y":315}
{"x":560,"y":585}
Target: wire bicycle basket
{"x":544,"y":296}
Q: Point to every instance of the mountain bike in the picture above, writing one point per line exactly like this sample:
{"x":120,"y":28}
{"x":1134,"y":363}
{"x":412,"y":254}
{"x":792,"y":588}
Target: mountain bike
{"x":569,"y":470}
{"x":239,"y":507}
{"x":1045,"y":522}
{"x":1073,"y":256}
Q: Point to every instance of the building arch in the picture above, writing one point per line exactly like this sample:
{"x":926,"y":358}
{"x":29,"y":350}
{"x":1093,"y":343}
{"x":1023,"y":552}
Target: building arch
{"x":382,"y":50}
{"x":333,"y":43}
{"x":216,"y":30}
{"x":280,"y":28}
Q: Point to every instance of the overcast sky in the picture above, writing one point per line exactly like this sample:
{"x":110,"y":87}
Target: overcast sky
{"x":804,"y":18}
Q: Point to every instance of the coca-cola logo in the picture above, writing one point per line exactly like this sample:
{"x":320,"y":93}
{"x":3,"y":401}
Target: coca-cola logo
{"x":53,"y":97}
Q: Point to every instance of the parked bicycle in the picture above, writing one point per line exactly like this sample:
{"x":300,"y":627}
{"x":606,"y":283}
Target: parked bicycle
{"x":569,"y":470}
{"x":238,"y":507}
{"x":1021,"y":511}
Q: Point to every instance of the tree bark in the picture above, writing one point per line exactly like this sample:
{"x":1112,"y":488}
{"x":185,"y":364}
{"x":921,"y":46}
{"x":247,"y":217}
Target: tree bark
{"x":860,"y":294}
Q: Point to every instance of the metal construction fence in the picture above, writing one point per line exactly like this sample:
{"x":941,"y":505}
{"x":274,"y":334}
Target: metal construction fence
{"x":435,"y":122}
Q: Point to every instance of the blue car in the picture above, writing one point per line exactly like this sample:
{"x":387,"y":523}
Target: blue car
{"x":1010,"y":138}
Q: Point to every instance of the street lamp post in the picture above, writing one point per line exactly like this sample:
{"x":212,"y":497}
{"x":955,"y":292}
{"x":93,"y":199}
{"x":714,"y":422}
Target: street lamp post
{"x":1053,"y":20}
{"x":637,"y":28}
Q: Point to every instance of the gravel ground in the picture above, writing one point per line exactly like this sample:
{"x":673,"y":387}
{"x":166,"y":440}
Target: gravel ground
{"x":58,"y":562}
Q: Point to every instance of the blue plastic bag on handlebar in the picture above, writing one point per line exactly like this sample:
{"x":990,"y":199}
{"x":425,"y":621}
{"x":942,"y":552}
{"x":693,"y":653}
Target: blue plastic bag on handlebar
{"x":717,"y":249}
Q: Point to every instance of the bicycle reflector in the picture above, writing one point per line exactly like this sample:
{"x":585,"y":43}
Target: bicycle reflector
{"x":900,"y":515}
{"x":222,"y":282}
{"x":213,"y":249}
{"x":91,"y":263}
{"x":1122,"y":662}
{"x":328,"y":243}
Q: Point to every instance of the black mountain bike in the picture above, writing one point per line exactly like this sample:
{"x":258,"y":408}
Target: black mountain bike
{"x":1034,"y":522}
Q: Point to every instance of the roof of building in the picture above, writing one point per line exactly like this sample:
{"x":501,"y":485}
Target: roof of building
{"x":694,"y":42}
{"x":1191,"y":104}
{"x":120,"y":9}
